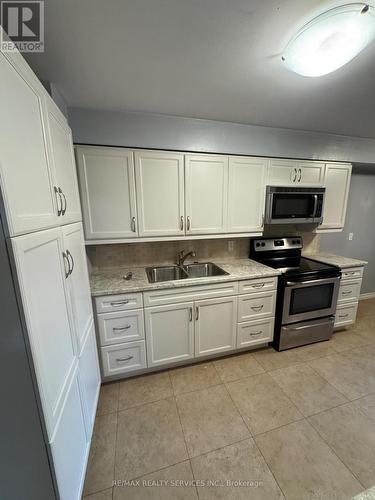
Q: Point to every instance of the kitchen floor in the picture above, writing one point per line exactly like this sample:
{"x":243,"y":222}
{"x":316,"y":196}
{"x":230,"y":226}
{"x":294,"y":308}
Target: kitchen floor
{"x":264,"y":425}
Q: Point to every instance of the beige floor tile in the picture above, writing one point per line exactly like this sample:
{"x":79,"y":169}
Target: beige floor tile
{"x":366,"y":307}
{"x":192,"y":378}
{"x":236,"y":367}
{"x":304,"y":466}
{"x":240,"y":462}
{"x":102,"y":495}
{"x":351,"y":434}
{"x":317,"y":350}
{"x":149,"y":437}
{"x":307,"y":389}
{"x":366,"y":405}
{"x":144,"y":389}
{"x":262,"y":403}
{"x":350,"y":374}
{"x":209,"y":420}
{"x":273,"y":360}
{"x":344,"y":340}
{"x":100,"y":469}
{"x":160,"y":485}
{"x":108,"y":398}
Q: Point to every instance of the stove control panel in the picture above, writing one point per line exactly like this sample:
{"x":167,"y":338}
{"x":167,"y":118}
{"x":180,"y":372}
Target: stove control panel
{"x":272,"y":244}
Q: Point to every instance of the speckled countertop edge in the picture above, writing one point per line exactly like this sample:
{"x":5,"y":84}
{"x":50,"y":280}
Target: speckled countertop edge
{"x":111,"y":281}
{"x":336,"y":260}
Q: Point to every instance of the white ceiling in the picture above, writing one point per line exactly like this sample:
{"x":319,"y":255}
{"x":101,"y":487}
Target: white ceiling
{"x":214,"y":59}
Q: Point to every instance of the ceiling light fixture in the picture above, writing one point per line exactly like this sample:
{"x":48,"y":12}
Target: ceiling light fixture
{"x":331,"y":40}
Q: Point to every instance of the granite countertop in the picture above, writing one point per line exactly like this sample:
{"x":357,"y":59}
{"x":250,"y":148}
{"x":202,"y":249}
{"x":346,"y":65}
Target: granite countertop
{"x":111,"y":281}
{"x":336,"y":260}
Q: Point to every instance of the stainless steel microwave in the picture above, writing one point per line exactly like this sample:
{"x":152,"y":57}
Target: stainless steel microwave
{"x":294,"y":205}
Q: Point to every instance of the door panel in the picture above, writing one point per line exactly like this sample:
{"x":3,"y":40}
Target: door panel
{"x":337,"y":185}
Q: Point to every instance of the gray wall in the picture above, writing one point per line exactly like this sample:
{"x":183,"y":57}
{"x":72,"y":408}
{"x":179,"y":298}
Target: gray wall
{"x":186,"y":134}
{"x":360,"y":220}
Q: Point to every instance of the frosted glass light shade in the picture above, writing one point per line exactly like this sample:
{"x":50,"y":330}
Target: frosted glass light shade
{"x":331,"y":40}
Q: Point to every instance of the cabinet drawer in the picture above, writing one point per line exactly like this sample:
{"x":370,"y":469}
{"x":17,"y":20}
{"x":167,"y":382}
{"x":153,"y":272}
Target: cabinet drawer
{"x":121,"y":302}
{"x":352,"y":273}
{"x":121,"y":326}
{"x":255,"y":332}
{"x":257,"y":285}
{"x":123,"y":358}
{"x":256,"y":306}
{"x":189,"y":293}
{"x":346,"y":314}
{"x":349,"y":291}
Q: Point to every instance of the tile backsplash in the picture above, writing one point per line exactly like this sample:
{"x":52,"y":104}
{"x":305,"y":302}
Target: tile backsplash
{"x":165,"y":252}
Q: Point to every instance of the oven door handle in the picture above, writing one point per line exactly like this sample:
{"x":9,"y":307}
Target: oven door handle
{"x":315,"y":196}
{"x":312,"y":282}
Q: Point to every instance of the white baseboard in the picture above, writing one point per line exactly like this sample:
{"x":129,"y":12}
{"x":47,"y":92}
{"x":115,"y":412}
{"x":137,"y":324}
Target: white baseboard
{"x":364,"y":296}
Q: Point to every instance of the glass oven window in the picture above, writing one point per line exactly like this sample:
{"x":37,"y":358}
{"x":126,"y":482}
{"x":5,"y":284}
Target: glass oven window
{"x":311,"y":298}
{"x":292,"y":205}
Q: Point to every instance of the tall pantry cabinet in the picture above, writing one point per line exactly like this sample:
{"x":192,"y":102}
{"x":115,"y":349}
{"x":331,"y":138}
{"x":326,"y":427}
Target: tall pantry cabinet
{"x":40,"y":203}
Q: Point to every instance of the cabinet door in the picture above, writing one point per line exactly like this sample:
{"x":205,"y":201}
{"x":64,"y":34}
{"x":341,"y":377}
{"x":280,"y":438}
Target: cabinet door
{"x":215,"y":325}
{"x":63,"y":166}
{"x":160,"y":193}
{"x":169,"y":333}
{"x":108,"y":192}
{"x":337,"y":185}
{"x":24,"y":170}
{"x":42,"y":281}
{"x":206,"y":194}
{"x":283,"y":173}
{"x":310,"y":174}
{"x":78,"y":281}
{"x":246,"y":197}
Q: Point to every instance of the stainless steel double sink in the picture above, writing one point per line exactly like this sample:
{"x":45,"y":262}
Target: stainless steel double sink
{"x":172,"y":273}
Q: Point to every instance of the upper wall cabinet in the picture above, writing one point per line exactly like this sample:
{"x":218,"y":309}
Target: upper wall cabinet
{"x":63,"y":166}
{"x":108,"y":192}
{"x":296,"y":173}
{"x":337,"y":183}
{"x":246,"y":194}
{"x":206,"y":183}
{"x":24,"y":171}
{"x":160,"y":193}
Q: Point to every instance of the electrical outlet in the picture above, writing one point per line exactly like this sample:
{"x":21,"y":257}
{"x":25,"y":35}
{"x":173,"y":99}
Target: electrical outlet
{"x":230,"y":246}
{"x":351,"y":236}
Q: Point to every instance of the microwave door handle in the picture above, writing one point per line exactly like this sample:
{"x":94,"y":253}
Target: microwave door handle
{"x":315,"y":196}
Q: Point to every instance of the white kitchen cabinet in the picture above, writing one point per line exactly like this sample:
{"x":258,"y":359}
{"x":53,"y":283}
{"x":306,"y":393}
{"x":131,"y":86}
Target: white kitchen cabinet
{"x":246,"y":194}
{"x":206,"y":187}
{"x":337,"y":184}
{"x":160,"y":193}
{"x":63,"y":166}
{"x":215,"y":325}
{"x":107,"y":186}
{"x":77,"y":281}
{"x":169,"y":333}
{"x":296,"y":173}
{"x":42,"y":281}
{"x":24,"y":170}
{"x":121,"y":359}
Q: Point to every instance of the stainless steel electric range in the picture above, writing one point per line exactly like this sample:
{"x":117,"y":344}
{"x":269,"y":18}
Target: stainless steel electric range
{"x":307,"y":292}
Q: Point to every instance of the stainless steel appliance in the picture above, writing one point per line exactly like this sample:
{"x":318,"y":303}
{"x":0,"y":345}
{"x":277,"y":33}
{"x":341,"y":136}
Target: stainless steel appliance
{"x":292,"y":205}
{"x":307,"y":292}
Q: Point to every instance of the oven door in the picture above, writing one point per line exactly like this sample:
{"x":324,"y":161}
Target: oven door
{"x":294,"y":207}
{"x":310,"y":299}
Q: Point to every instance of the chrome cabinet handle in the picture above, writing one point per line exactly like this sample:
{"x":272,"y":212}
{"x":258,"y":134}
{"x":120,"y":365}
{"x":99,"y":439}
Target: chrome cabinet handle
{"x":255,"y":334}
{"x":258,"y":285}
{"x":58,"y":197}
{"x":343,"y":315}
{"x":347,"y":293}
{"x":196,"y":313}
{"x":133,"y":225}
{"x":65,"y":257}
{"x":68,"y":254}
{"x":295,"y":175}
{"x":63,"y":209}
{"x":188,"y":223}
{"x":119,"y":303}
{"x":121,"y":328}
{"x":182,"y":223}
{"x":119,"y":360}
{"x":300,"y":175}
{"x":190,"y":314}
{"x":257,"y":308}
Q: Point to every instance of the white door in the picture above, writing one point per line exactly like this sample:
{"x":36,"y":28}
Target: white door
{"x":24,"y":170}
{"x":310,"y":174}
{"x":63,"y":166}
{"x":77,"y":281}
{"x":169,"y":333}
{"x":215,"y":325}
{"x":296,"y":173}
{"x":42,"y":281}
{"x":206,"y":193}
{"x":108,"y":192}
{"x":246,"y":194}
{"x":337,"y":185}
{"x":160,"y":193}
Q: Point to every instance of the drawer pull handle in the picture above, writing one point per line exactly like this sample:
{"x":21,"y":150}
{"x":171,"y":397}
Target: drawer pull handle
{"x":119,"y":303}
{"x":128,"y":358}
{"x":258,"y":285}
{"x":343,"y":315}
{"x":255,"y":334}
{"x":121,"y":328}
{"x":347,"y":293}
{"x":350,"y":273}
{"x":190,"y":314}
{"x":257,"y":308}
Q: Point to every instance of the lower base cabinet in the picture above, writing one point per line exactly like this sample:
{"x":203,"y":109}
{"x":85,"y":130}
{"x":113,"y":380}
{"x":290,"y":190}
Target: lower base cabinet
{"x":349,"y":292}
{"x":123,"y":358}
{"x":252,"y":333}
